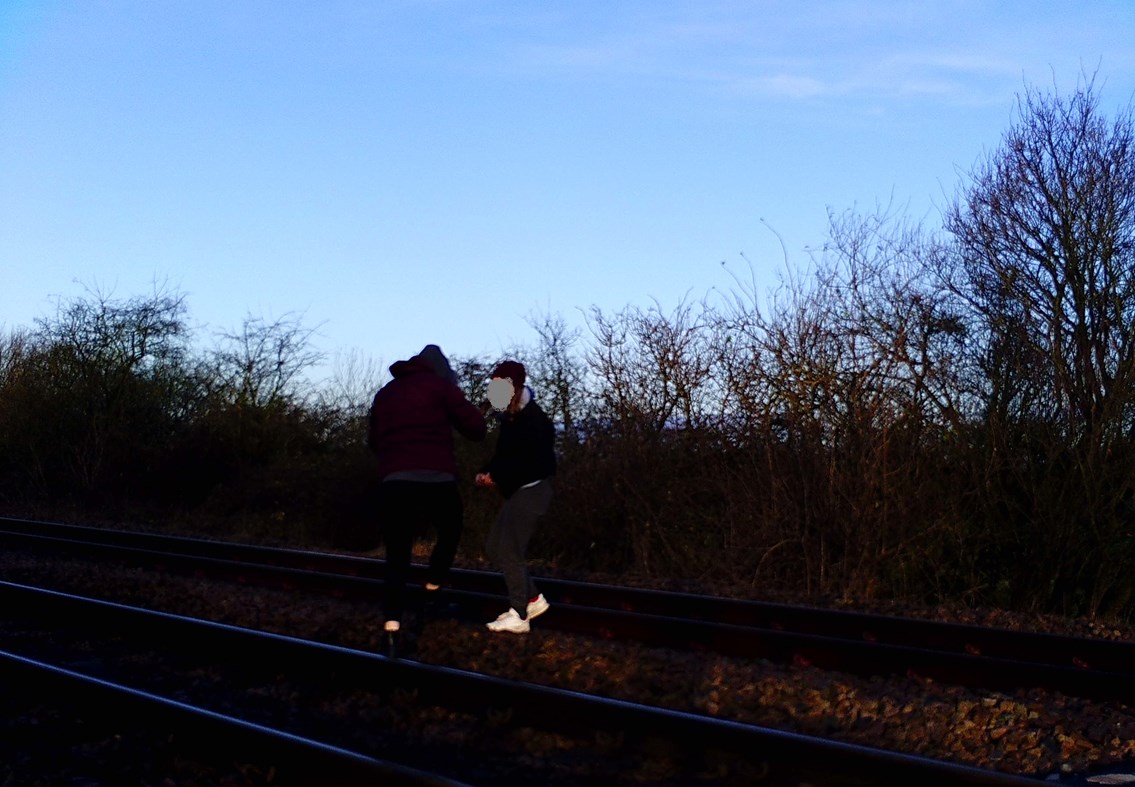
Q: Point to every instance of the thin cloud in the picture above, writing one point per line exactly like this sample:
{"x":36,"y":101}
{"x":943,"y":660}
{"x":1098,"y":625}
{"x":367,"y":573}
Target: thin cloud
{"x":779,"y":85}
{"x":963,"y":52}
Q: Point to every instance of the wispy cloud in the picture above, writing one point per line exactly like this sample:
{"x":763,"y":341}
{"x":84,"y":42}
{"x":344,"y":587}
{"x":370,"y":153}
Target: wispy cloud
{"x":780,"y":85}
{"x":959,"y":51}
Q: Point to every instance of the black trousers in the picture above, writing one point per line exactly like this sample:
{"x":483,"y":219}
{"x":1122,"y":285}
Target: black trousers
{"x":402,"y":507}
{"x":507,"y":544}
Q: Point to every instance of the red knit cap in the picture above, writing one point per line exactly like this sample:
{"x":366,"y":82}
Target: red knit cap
{"x":513,"y":370}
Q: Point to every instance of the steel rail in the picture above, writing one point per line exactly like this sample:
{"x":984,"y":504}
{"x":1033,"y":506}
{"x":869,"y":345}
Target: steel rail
{"x":829,"y":639}
{"x":541,"y":707}
{"x":312,"y":761}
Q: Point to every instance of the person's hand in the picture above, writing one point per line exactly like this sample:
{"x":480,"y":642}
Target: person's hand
{"x":483,"y":479}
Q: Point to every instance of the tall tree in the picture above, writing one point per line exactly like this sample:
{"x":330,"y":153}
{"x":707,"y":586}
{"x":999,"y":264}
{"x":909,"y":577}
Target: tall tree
{"x":1045,"y":258}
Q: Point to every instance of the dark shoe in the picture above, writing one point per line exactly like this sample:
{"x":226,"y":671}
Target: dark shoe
{"x":393,"y":644}
{"x":392,"y":632}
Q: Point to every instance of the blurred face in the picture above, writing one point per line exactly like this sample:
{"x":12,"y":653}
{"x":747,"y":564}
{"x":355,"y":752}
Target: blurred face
{"x":500,"y":392}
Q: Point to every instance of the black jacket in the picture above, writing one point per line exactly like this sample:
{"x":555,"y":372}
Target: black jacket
{"x":526,"y":450}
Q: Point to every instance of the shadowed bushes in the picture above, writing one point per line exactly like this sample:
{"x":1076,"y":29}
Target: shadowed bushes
{"x":929,"y":416}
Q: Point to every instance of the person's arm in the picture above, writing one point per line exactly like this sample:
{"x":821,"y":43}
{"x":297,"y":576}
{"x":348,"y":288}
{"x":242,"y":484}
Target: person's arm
{"x":465,"y":416}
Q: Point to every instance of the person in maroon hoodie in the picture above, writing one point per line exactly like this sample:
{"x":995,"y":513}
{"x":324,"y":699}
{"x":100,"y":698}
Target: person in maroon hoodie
{"x":411,"y":433}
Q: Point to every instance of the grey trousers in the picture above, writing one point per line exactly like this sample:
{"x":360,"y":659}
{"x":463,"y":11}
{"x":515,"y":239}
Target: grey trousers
{"x":507,"y":545}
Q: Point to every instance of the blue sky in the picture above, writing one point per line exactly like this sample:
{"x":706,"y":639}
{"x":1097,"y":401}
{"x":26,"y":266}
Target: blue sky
{"x":406,"y":172}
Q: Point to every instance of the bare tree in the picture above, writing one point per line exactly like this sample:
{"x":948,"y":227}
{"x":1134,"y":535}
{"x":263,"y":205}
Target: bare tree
{"x":840,"y":387}
{"x":652,"y":368}
{"x":346,"y":396}
{"x":557,"y":370}
{"x":1045,"y":259}
{"x":104,"y":383}
{"x":263,"y":363}
{"x":472,"y":376}
{"x":650,"y":372}
{"x":14,"y":348}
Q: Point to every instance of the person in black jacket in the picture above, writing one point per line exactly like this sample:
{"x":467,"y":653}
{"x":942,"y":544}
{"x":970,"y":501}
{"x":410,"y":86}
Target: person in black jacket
{"x":521,"y":470}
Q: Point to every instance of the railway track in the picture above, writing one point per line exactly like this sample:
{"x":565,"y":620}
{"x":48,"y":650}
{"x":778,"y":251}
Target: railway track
{"x":300,"y":758}
{"x":854,"y":642}
{"x":106,"y":670}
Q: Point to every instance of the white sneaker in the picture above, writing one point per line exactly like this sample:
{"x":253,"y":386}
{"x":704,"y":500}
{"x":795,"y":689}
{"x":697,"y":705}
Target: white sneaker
{"x":510,"y":621}
{"x":537,"y":606}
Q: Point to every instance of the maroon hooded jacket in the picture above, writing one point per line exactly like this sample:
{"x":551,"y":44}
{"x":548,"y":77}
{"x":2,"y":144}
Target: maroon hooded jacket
{"x":413,"y":416}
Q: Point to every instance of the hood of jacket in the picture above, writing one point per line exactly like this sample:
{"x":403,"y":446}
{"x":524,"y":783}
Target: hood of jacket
{"x":430,"y":359}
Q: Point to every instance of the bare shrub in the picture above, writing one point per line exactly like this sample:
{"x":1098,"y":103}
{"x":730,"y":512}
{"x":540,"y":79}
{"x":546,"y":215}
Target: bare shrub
{"x":842,"y":394}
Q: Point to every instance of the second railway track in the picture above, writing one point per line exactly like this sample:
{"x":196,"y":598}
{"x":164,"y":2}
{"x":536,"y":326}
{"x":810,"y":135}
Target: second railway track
{"x":854,"y":642}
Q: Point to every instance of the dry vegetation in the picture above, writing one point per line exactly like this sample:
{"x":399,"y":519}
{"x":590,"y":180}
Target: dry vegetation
{"x":943,"y":417}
